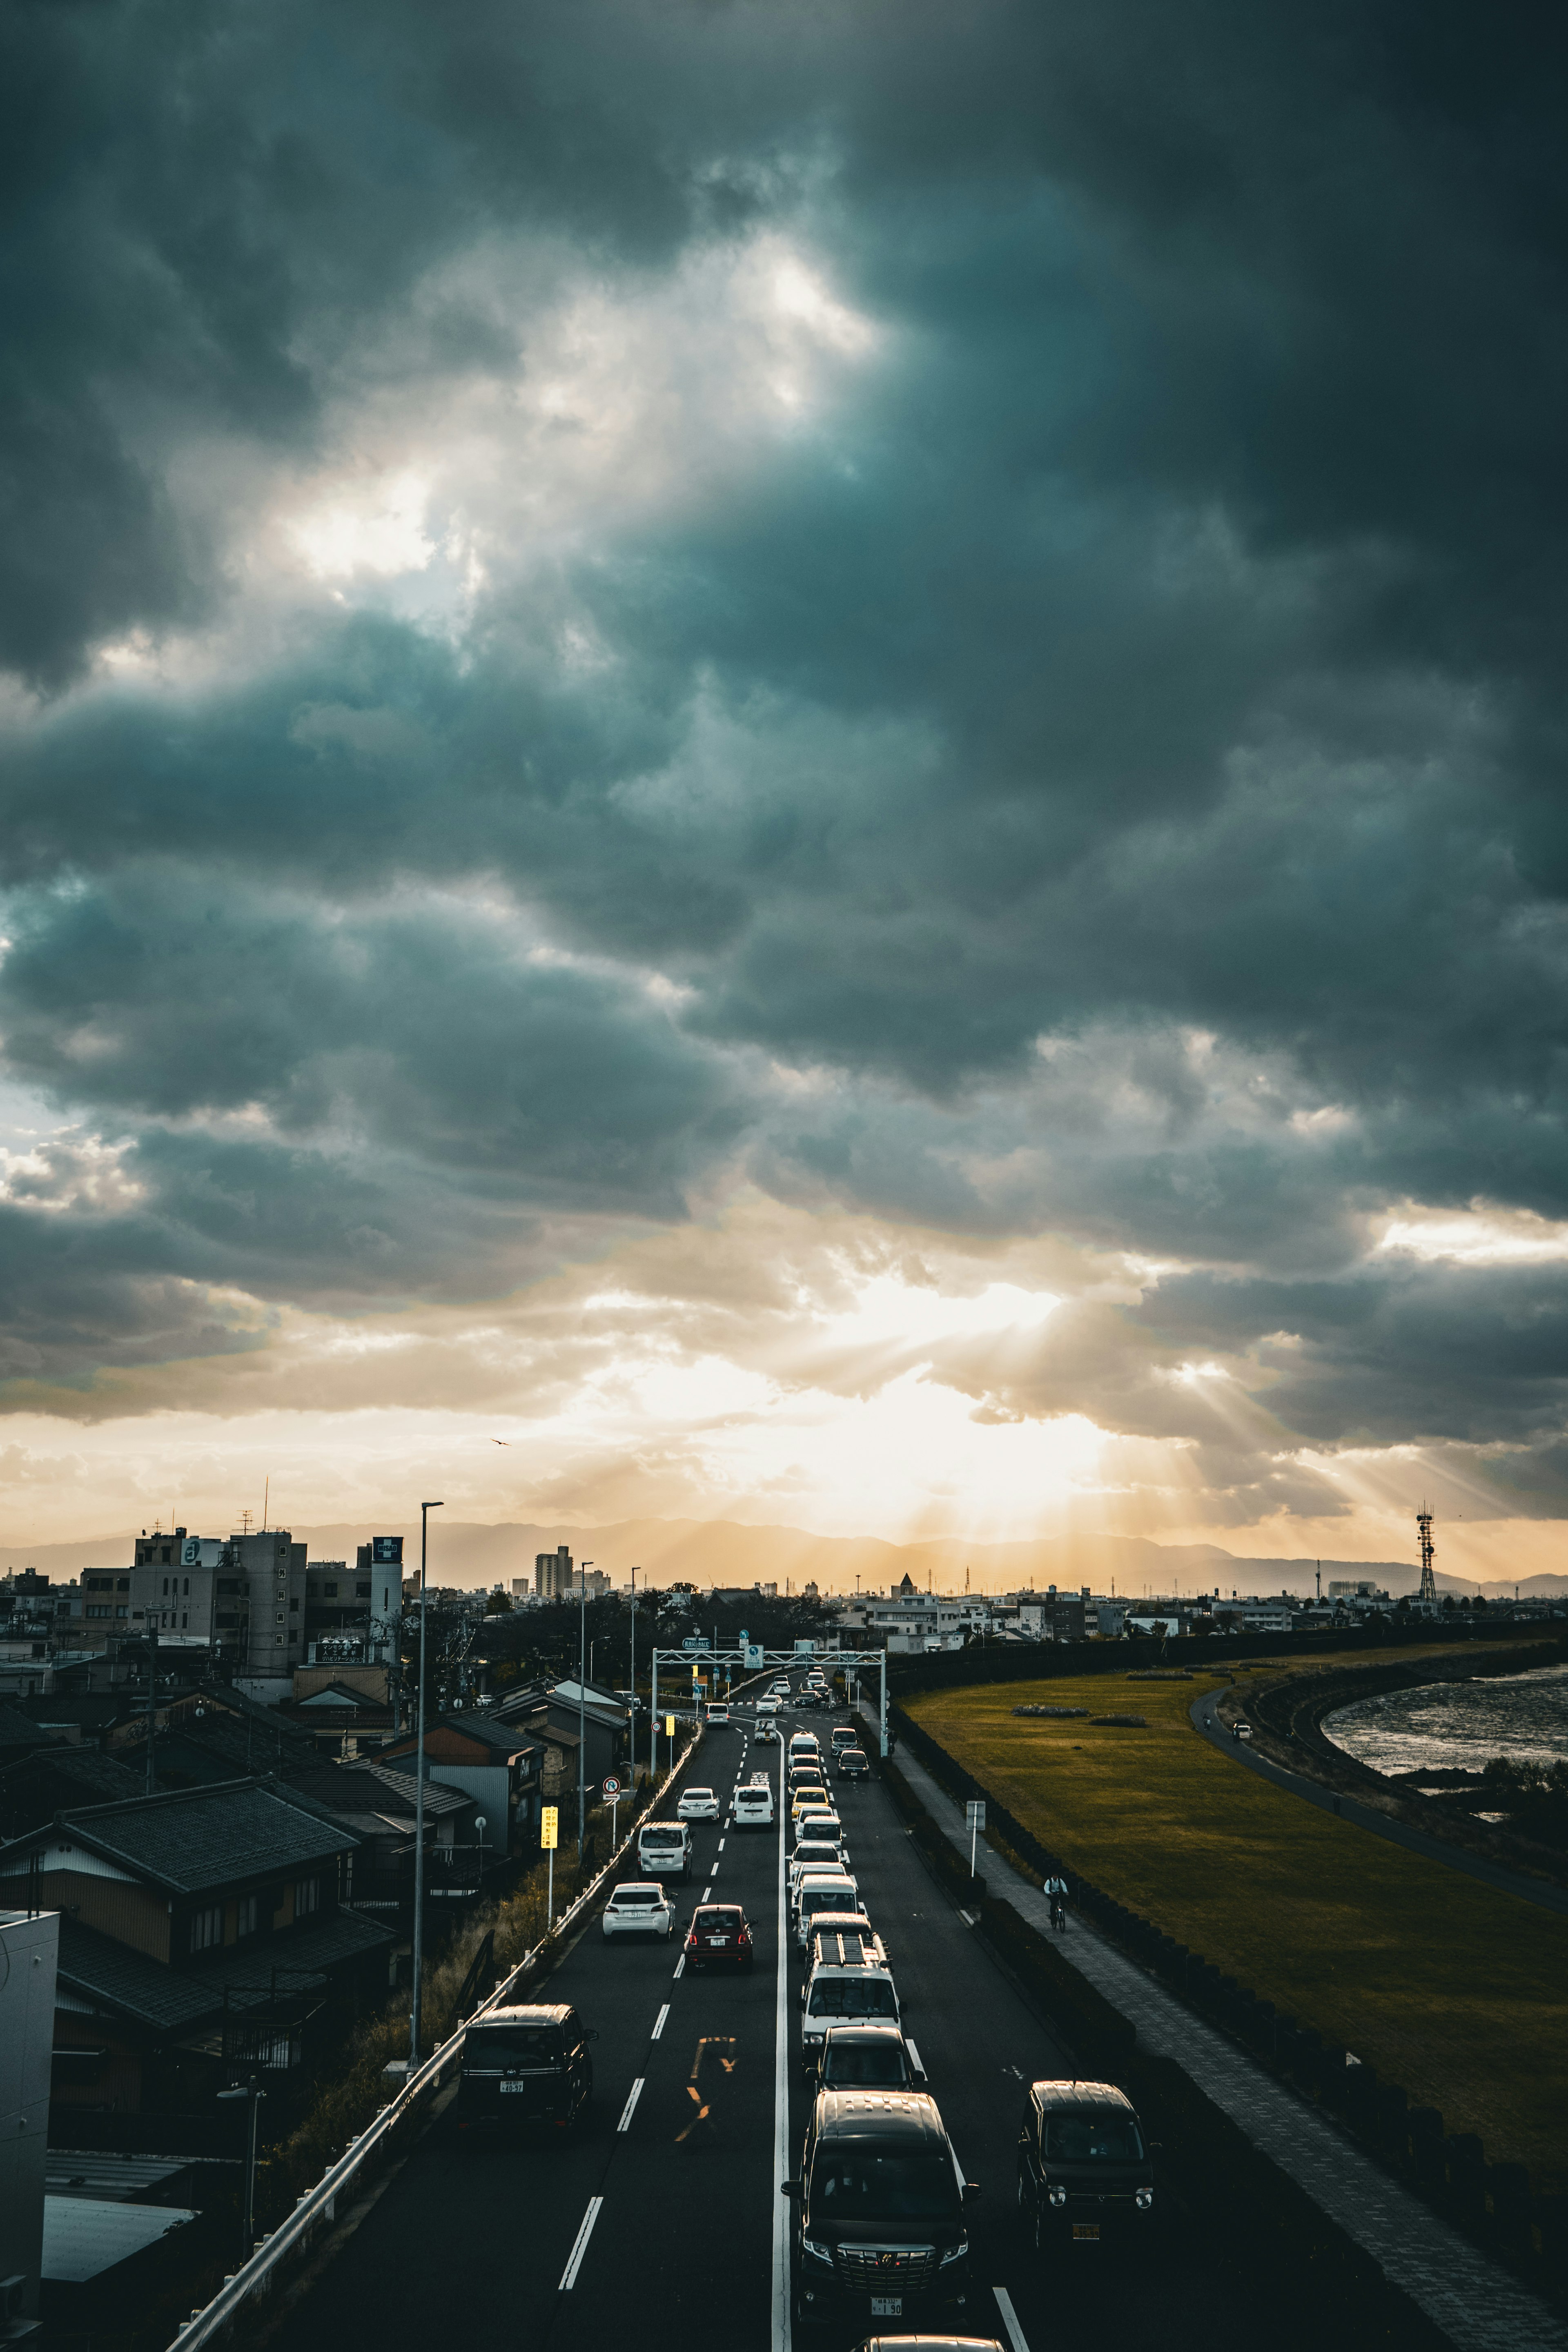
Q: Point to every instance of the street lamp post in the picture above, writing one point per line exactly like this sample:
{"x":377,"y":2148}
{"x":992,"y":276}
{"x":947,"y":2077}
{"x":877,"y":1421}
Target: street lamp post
{"x":425,"y":1511}
{"x":253,"y":2092}
{"x":582,"y":1712}
{"x":632,"y":1706}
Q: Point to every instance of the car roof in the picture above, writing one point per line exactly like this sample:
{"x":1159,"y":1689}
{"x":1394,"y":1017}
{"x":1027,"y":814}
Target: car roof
{"x":872,"y":2030}
{"x":881,"y":2115}
{"x":637,"y":1886}
{"x":851,"y":1952}
{"x":1080,"y":2095}
{"x":703,"y":1909}
{"x":539,"y":2012}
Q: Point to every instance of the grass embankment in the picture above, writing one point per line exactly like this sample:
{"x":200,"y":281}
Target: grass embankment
{"x":1456,"y":1992}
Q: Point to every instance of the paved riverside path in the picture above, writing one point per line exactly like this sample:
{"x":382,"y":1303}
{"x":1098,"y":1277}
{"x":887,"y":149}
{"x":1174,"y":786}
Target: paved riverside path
{"x":1477,"y":2306}
{"x":1495,"y":1875}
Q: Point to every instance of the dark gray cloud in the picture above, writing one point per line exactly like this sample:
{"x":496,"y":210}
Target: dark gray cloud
{"x":1150,"y":642}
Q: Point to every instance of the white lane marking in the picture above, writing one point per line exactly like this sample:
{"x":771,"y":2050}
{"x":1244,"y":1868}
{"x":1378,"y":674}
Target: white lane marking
{"x":914,"y":2055}
{"x":706,"y":1893}
{"x":680,"y":1968}
{"x":781,"y":2212}
{"x":659,"y":2021}
{"x":721,"y":1845}
{"x":1016,"y":2336}
{"x":626,"y":2122}
{"x":574,"y":2261}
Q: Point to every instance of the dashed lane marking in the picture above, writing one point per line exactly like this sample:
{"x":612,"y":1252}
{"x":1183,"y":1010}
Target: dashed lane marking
{"x":574,"y":2261}
{"x":659,"y":2022}
{"x":680,"y":1967}
{"x":1016,"y":2336}
{"x":626,"y":2122}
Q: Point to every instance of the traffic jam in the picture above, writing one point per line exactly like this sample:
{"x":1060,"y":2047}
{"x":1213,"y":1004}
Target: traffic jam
{"x":875,"y":2246}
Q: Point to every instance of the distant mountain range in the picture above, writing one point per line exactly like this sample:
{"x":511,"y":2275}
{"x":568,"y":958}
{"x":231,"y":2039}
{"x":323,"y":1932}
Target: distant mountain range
{"x":723,"y":1551}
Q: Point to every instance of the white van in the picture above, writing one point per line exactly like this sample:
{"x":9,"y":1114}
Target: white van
{"x":844,"y":1992}
{"x":821,"y":1890}
{"x":664,"y":1850}
{"x":755,"y":1807}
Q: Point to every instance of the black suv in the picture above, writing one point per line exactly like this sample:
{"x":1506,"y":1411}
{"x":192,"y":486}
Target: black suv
{"x":1086,"y":2173}
{"x":879,"y":2231}
{"x":525,"y":2066}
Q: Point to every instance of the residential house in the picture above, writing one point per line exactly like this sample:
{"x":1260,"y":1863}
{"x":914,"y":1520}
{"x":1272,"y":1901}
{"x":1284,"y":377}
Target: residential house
{"x":499,"y":1764}
{"x":202,"y":1933}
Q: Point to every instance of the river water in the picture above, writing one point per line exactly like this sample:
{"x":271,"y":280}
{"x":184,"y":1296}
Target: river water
{"x":1459,"y":1726}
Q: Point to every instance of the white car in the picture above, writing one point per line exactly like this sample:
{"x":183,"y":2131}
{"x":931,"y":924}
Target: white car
{"x":639,"y":1910}
{"x":767,"y":1735}
{"x":664,"y":1850}
{"x":697,"y":1805}
{"x":821,"y":1890}
{"x":754,"y":1807}
{"x":814,"y":1854}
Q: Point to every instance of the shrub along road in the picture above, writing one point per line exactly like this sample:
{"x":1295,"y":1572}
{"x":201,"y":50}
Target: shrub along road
{"x":1454,"y":1990}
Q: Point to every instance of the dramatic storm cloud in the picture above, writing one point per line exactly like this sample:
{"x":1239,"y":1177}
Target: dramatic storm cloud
{"x":769,"y":738}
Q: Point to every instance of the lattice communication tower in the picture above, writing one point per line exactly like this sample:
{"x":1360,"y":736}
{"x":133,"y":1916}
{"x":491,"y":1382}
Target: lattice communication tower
{"x":1428,"y":1552}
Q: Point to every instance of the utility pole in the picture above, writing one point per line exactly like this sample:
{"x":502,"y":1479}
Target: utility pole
{"x":582,"y":1712}
{"x":632,"y":1707}
{"x":151,"y":1707}
{"x":425,"y":1511}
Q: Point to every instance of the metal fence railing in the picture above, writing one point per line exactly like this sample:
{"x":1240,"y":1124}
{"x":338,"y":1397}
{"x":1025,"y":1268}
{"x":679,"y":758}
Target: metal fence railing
{"x":317,"y":2210}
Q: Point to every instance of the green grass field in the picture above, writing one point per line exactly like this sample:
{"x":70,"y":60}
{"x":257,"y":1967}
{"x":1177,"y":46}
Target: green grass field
{"x":1459,"y":1993}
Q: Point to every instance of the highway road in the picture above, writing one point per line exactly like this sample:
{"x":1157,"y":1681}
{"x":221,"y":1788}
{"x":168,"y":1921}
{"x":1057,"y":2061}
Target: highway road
{"x":658,"y":2220}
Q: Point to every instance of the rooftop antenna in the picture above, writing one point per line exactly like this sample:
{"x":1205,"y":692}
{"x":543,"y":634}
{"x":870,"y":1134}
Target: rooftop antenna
{"x":1429,"y":1591}
{"x":244,"y":1522}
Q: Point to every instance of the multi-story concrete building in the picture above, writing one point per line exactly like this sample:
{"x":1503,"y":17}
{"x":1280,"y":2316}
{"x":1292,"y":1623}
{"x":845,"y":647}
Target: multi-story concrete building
{"x":243,"y":1595}
{"x":553,"y":1574}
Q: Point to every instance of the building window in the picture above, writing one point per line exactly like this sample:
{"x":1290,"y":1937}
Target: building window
{"x":123,"y":1585}
{"x":294,"y":1605}
{"x":245,"y":1915}
{"x":98,"y":1609}
{"x":165,"y":1587}
{"x":206,"y":1927}
{"x":331,"y":1590}
{"x":362,"y":1593}
{"x":187,"y":1591}
{"x":121,"y":1609}
{"x":185,"y":1620}
{"x":307,"y":1897}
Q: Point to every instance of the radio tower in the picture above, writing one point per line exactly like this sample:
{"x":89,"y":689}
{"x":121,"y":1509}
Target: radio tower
{"x":1429,"y":1581}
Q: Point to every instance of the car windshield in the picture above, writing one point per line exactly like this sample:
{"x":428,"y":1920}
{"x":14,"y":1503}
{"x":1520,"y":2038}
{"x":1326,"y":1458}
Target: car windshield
{"x":852,"y":2184}
{"x":853,"y":1996}
{"x":1093,"y":2138}
{"x":811,"y":1850}
{"x":870,"y":2065}
{"x":824,"y":1898}
{"x":511,"y":2045}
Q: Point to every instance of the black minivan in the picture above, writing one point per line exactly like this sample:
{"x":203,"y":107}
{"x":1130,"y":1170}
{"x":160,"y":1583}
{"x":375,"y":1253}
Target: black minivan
{"x":525,"y":2066}
{"x":1086,"y":2173}
{"x":880,"y":2230}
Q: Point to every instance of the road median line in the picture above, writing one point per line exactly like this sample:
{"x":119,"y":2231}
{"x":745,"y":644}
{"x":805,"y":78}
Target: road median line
{"x":575,"y":2260}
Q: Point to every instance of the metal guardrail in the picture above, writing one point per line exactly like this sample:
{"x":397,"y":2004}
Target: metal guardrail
{"x":259,"y":2275}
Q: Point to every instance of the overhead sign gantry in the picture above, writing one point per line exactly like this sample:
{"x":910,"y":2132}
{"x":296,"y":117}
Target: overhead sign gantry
{"x":753,"y":1659}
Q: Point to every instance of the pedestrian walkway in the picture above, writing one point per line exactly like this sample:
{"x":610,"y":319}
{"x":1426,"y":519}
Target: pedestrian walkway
{"x":1495,"y":1875}
{"x":1477,"y":2306}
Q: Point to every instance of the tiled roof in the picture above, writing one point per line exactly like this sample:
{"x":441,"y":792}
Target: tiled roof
{"x":340,"y":1936}
{"x":194,"y":1839}
{"x":131,"y":1983}
{"x":18,"y":1730}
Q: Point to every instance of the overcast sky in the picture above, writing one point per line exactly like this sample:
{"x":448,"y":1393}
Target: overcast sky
{"x":810,"y":756}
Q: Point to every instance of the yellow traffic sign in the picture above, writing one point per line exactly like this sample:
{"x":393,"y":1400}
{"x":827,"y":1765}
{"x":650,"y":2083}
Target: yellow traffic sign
{"x":670,"y":1727}
{"x":549,"y":1826}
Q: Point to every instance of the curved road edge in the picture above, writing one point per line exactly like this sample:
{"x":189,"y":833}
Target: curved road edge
{"x":1495,"y":1874}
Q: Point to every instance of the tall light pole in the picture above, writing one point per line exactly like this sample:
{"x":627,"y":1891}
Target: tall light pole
{"x":632,"y":1709}
{"x":583,"y":1711}
{"x":425,"y":1511}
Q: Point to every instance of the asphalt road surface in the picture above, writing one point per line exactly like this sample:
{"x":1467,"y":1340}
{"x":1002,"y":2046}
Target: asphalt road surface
{"x":658,"y":2220}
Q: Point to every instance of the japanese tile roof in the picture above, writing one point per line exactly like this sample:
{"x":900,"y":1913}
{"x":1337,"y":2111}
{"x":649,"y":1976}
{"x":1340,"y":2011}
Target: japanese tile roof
{"x":193,"y":1840}
{"x":131,"y":1983}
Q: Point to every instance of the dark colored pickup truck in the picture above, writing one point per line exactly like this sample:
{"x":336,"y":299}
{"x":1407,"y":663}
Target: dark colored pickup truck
{"x":525,"y":2066}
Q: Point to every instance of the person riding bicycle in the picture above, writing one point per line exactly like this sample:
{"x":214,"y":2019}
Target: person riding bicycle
{"x":1056,"y":1894}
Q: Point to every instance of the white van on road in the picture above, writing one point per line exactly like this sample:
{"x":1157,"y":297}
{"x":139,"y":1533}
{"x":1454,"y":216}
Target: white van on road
{"x":754,"y":1807}
{"x":664,"y":1850}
